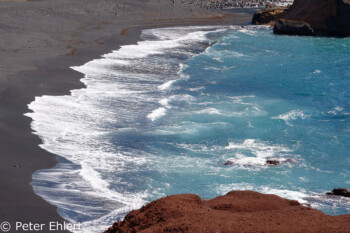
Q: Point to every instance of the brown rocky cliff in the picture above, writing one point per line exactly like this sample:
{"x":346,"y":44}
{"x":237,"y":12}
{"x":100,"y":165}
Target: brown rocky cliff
{"x":339,"y":24}
{"x":238,"y":211}
{"x":314,"y":12}
{"x":326,"y":17}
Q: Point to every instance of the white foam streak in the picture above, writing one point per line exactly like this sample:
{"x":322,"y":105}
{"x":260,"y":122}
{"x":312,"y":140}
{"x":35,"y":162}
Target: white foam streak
{"x":166,"y":85}
{"x":291,"y":116}
{"x":78,"y":127}
{"x":84,"y":128}
{"x":211,"y":111}
{"x":156,"y":114}
{"x":164,"y":102}
{"x":254,"y":153}
{"x":336,"y":110}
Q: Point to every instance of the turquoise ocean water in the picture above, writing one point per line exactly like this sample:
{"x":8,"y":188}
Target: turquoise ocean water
{"x":163,"y":117}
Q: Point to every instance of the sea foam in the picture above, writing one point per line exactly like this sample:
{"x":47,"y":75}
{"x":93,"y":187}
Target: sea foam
{"x":77,"y":127}
{"x":291,"y":116}
{"x":163,"y":116}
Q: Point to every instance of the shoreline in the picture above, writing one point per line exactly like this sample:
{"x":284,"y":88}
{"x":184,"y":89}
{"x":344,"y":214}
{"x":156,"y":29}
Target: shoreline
{"x":20,"y":154}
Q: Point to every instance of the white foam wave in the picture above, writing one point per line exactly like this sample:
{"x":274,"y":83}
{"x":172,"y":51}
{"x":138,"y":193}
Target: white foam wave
{"x":211,"y":111}
{"x":291,"y":116}
{"x":196,"y":88}
{"x":252,"y":152}
{"x":247,"y":31}
{"x":156,"y":114}
{"x":121,"y":87}
{"x":166,"y":85}
{"x":164,"y":102}
{"x":336,"y":110}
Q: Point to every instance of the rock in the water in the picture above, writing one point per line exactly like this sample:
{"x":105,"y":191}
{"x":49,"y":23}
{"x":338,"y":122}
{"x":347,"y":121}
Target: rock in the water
{"x":229,"y":162}
{"x":291,"y":27}
{"x":278,"y":161}
{"x":272,"y":162}
{"x":268,"y":15}
{"x":269,"y":162}
{"x":326,"y":17}
{"x":340,"y":192}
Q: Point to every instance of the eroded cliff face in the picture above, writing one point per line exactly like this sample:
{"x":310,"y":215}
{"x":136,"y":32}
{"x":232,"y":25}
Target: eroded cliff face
{"x":313,"y":12}
{"x":330,"y":17}
{"x":326,"y":17}
{"x":339,"y":24}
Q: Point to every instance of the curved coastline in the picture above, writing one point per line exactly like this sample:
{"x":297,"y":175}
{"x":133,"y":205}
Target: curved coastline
{"x":21,"y":155}
{"x":96,"y":202}
{"x":89,"y":85}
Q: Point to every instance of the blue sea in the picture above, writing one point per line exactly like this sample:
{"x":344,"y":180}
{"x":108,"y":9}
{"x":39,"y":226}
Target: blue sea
{"x":165,"y":115}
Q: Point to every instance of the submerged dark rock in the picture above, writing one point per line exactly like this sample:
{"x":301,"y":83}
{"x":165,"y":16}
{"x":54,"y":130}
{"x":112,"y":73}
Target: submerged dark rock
{"x":229,"y":162}
{"x":269,"y":162}
{"x":291,"y":27}
{"x":272,"y":162}
{"x":340,"y":192}
{"x":279,"y":161}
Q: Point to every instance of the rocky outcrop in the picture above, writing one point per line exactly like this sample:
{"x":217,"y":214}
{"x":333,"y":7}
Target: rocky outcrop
{"x":237,"y":211}
{"x":291,"y":27}
{"x":272,"y":162}
{"x":268,"y":162}
{"x":340,"y":23}
{"x":268,"y":15}
{"x":326,"y":17}
{"x":340,"y":192}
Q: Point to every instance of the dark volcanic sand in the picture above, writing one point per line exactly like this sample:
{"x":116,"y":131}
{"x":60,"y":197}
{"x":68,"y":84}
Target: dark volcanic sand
{"x":238,"y":211}
{"x":39,"y":41}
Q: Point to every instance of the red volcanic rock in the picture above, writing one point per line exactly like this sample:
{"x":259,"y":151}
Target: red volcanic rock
{"x":238,"y":211}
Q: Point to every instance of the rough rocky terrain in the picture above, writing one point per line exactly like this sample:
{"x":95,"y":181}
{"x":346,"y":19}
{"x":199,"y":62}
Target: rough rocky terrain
{"x":326,"y":17}
{"x":238,"y":211}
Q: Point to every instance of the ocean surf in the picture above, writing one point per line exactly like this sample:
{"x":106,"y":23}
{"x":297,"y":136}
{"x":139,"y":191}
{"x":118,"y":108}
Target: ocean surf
{"x":165,"y":115}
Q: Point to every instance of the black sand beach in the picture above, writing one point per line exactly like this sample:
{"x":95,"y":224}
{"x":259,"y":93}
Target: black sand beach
{"x":39,"y":41}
